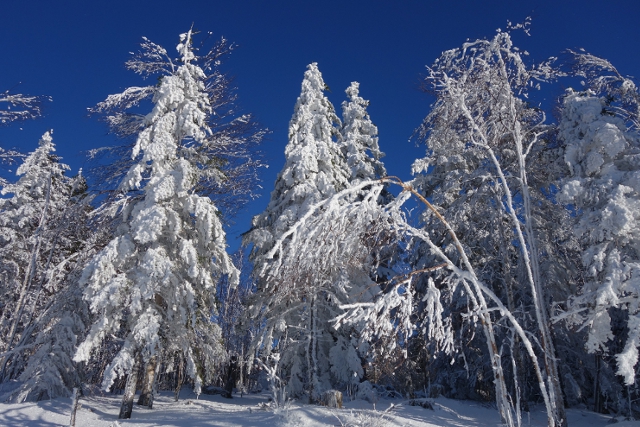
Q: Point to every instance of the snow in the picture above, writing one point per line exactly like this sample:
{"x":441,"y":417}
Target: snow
{"x":331,"y":235}
{"x":248,"y":411}
{"x":158,"y":271}
{"x":601,"y":155}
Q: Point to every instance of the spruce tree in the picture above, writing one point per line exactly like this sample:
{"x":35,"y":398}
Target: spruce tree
{"x":296,"y":305}
{"x":604,"y":191}
{"x":314,"y":167}
{"x":360,"y":138}
{"x":29,"y":244}
{"x":357,"y":282}
{"x":154,"y":282}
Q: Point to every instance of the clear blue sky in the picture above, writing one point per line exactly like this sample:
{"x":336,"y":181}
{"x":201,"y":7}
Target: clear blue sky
{"x":75,"y":51}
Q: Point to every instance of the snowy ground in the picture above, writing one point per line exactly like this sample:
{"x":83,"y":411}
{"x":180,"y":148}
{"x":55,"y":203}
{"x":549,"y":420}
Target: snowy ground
{"x":102,"y":411}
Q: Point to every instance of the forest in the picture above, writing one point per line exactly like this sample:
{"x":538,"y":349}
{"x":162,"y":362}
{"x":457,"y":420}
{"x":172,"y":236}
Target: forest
{"x":507,"y":270}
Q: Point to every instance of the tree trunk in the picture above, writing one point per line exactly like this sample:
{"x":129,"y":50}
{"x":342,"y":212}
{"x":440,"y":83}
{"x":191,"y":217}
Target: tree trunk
{"x":129,"y":392}
{"x":146,"y":395}
{"x":542,"y":316}
{"x":311,"y":352}
{"x":179,"y":378}
{"x":476,"y":294}
{"x":597,"y":400}
{"x":232,"y":377}
{"x":529,"y":251}
{"x":240,"y":384}
{"x":332,"y":399}
{"x":75,"y":398}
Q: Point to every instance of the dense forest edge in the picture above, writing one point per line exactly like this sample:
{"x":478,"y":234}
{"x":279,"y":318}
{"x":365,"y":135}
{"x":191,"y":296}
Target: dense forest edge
{"x":505,"y":270}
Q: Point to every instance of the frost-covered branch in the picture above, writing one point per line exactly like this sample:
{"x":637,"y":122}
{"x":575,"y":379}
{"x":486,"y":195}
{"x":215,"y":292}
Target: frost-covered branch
{"x":151,"y":59}
{"x":390,"y":311}
{"x":225,"y":154}
{"x":601,"y":77}
{"x":16,"y":106}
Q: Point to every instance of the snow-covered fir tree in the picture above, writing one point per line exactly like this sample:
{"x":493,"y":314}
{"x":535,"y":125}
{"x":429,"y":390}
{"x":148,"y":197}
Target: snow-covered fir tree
{"x":154,"y":283}
{"x":297,"y":307}
{"x":32,"y":244}
{"x":359,"y":144}
{"x":46,"y":370}
{"x":360,"y":138}
{"x":603,"y":189}
{"x":314,"y":167}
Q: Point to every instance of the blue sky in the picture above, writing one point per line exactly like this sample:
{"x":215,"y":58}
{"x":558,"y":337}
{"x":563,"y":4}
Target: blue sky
{"x":75,"y":51}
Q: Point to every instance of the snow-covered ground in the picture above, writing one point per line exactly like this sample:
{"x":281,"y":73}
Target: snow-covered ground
{"x":102,"y":411}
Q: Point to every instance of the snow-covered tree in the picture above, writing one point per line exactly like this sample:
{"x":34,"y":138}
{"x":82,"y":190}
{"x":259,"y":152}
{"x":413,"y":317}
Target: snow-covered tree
{"x":482,"y":136}
{"x":297,"y":306}
{"x":154,"y":283}
{"x":228,"y":160}
{"x":360,"y":138}
{"x":31,"y":243}
{"x":314,"y":270}
{"x":359,"y":144}
{"x":49,"y":371}
{"x":603,"y":189}
{"x":340,"y":232}
{"x":59,"y":316}
{"x":314,"y":168}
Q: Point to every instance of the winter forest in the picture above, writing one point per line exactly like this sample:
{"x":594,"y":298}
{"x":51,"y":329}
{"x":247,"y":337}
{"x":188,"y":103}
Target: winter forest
{"x":505,"y":269}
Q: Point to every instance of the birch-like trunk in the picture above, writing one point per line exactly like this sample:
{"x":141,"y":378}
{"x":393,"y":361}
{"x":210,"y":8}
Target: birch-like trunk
{"x":476,"y":293}
{"x":528,"y":249}
{"x":148,"y":383}
{"x":311,"y":351}
{"x":129,"y":391}
{"x":75,"y":399}
{"x":542,"y":316}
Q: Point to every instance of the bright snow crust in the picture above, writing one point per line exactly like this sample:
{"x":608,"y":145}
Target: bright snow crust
{"x":245,"y":411}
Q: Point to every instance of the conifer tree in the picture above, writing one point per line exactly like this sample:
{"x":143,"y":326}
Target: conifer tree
{"x":359,"y":144}
{"x":57,"y":316}
{"x":314,"y":168}
{"x":29,"y":243}
{"x":296,"y":307}
{"x":154,"y":282}
{"x":360,"y":138}
{"x":604,"y":190}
